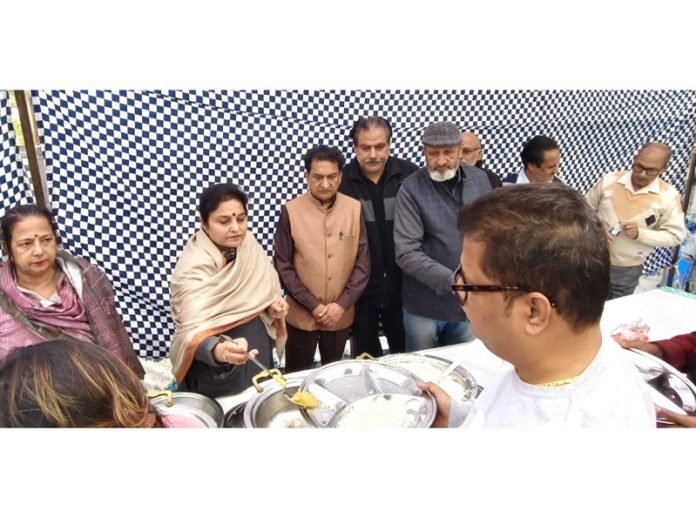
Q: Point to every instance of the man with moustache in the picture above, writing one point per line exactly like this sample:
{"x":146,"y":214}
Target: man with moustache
{"x":640,"y":211}
{"x":427,"y":242}
{"x":322,"y":258}
{"x":373,"y":177}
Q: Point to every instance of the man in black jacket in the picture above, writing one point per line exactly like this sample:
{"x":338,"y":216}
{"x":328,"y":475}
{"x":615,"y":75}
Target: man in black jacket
{"x":373,"y":177}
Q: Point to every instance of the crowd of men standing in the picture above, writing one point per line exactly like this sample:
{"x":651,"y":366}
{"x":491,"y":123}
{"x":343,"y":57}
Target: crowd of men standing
{"x":374,"y":245}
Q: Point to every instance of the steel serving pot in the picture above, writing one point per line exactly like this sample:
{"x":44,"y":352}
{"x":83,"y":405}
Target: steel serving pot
{"x":190,"y":404}
{"x":234,"y":418}
{"x":270,"y":408}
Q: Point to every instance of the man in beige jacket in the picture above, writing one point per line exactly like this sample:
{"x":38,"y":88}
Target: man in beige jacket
{"x":321,"y":254}
{"x":640,"y":212}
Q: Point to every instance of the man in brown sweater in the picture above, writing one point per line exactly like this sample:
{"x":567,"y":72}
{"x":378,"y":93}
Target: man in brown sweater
{"x":321,"y":254}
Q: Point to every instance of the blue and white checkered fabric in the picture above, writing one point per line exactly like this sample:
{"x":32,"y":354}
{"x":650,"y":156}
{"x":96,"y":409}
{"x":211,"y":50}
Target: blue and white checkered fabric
{"x":15,"y":183}
{"x":125,"y":169}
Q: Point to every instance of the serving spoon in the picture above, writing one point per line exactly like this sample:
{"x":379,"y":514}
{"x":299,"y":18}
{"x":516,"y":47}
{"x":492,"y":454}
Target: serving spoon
{"x":300,"y":398}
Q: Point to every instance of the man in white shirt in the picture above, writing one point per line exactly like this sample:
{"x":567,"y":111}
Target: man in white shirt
{"x":640,"y":211}
{"x":533,"y":278}
{"x":541,"y":159}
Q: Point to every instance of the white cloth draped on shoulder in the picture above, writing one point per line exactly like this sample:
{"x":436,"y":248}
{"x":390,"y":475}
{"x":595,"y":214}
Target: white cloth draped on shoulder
{"x":209,"y":297}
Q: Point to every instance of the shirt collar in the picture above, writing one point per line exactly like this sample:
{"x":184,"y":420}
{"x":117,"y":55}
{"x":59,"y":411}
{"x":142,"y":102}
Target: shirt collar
{"x":652,"y":187}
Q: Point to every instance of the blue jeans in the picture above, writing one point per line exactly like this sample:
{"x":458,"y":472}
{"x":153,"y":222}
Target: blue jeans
{"x":426,"y":333}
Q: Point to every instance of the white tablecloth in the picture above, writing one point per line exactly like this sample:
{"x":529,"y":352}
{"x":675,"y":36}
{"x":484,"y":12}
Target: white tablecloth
{"x":666,"y":311}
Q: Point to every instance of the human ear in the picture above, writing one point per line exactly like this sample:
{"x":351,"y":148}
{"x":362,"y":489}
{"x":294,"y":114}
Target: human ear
{"x":538,"y":312}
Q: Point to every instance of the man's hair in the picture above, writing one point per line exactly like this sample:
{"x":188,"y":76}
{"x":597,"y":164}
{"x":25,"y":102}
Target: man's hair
{"x":662,"y":146}
{"x":365,"y":123}
{"x":213,"y":196}
{"x":546,"y":238}
{"x":327,"y":153}
{"x":533,"y":150}
{"x":67,"y":383}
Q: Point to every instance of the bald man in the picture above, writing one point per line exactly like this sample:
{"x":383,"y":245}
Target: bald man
{"x":640,"y":211}
{"x":472,"y":155}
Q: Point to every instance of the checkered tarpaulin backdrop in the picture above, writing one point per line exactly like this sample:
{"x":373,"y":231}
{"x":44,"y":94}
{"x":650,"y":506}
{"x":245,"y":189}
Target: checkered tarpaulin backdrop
{"x":15,"y":185}
{"x":125,"y":169}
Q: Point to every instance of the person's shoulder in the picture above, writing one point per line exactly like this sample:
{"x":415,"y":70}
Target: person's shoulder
{"x":347,"y":200}
{"x":82,"y":263}
{"x":414,"y":177}
{"x":666,"y":187}
{"x":351,"y":170}
{"x":296,"y":200}
{"x":403,"y":166}
{"x":510,"y":178}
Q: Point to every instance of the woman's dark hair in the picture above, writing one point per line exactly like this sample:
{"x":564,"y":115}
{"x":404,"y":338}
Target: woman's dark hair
{"x":68,"y":383}
{"x":17,"y":214}
{"x":214,"y":195}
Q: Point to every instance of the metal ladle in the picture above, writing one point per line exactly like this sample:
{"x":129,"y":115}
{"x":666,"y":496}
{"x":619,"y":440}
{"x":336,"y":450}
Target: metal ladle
{"x":300,"y":398}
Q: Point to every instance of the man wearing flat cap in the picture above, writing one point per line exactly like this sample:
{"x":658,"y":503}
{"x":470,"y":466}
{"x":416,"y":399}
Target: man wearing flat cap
{"x":427,"y":242}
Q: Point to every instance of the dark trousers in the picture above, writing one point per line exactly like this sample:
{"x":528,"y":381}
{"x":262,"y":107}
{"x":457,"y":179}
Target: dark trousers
{"x":365,"y":329}
{"x":301,"y":346}
{"x":623,"y":280}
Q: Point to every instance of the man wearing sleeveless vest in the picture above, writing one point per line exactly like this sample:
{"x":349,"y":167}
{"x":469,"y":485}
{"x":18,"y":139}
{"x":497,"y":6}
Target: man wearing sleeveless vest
{"x":640,"y":212}
{"x":322,"y":258}
{"x":427,"y":242}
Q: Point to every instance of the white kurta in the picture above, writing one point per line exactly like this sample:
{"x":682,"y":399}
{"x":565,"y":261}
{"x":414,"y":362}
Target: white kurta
{"x":609,"y":394}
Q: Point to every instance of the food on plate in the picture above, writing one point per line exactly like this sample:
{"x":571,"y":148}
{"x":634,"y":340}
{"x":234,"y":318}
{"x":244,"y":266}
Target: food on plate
{"x":305,"y":399}
{"x":382,"y":411}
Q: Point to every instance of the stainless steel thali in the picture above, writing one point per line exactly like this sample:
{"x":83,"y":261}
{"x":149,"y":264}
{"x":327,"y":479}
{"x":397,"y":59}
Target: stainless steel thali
{"x":459,"y":384}
{"x":367,"y":394}
{"x":673,"y":385}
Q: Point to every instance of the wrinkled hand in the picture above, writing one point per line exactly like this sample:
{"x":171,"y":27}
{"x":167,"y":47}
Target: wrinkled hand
{"x":630,"y":229}
{"x":443,"y":402}
{"x":278,"y":309}
{"x":685,"y":421}
{"x":647,"y":347}
{"x":233,"y":351}
{"x":332,"y":315}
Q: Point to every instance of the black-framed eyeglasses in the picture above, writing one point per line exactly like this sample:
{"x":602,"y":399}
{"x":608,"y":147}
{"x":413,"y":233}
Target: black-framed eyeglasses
{"x":650,"y":171}
{"x":461,"y":291}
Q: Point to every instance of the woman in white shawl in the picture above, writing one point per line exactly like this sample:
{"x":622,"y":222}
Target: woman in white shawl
{"x":226,"y":300}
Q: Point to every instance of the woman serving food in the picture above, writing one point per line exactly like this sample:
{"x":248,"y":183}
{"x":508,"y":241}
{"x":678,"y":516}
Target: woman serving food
{"x":225,"y":298}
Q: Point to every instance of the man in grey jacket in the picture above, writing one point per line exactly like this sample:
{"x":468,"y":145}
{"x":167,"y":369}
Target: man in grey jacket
{"x":427,"y":242}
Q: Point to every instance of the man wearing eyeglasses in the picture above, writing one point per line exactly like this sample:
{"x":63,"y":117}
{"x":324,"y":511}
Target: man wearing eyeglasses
{"x":426,"y":240}
{"x":640,"y":211}
{"x":472,"y":155}
{"x":533,"y":278}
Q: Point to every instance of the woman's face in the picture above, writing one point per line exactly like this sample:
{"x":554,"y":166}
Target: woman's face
{"x":33,"y":248}
{"x":227,"y":225}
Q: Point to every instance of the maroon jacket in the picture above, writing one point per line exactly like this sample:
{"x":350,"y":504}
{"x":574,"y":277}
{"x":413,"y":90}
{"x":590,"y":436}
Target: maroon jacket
{"x":678,"y":349}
